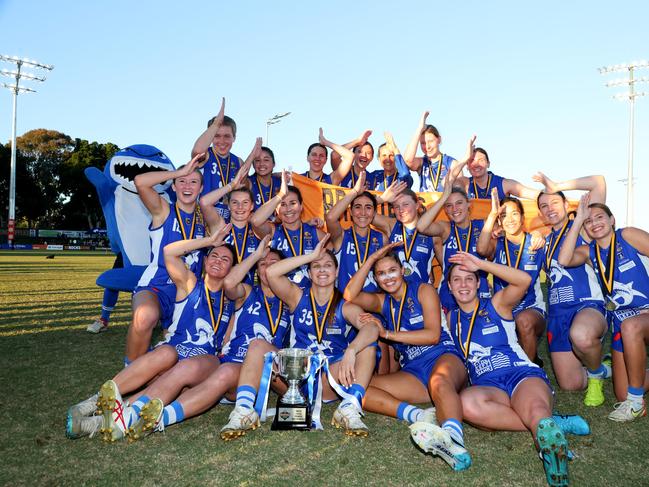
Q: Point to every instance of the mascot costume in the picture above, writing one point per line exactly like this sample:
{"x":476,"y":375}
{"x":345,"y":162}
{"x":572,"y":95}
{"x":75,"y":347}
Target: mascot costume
{"x":127,"y":220}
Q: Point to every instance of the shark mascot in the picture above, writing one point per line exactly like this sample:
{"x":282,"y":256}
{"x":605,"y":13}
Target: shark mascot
{"x":127,"y":220}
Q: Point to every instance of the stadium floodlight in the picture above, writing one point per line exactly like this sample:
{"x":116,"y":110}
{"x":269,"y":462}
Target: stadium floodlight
{"x":273,"y":120}
{"x":631,"y":94}
{"x":17,"y":89}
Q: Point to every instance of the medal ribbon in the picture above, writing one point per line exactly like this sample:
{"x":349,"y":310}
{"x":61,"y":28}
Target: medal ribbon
{"x":407,"y":248}
{"x":606,"y":274}
{"x":290,"y":243}
{"x":182,"y":225}
{"x":215,"y":323}
{"x":520,"y":251}
{"x":319,"y":326}
{"x":467,"y":344}
{"x":476,"y":189}
{"x":397,"y":323}
{"x":227,"y":171}
{"x":439,"y":172}
{"x":468,"y":237}
{"x":274,"y":324}
{"x":358,"y":248}
{"x":240,"y":251}
{"x":261,"y":191}
{"x":554,"y":243}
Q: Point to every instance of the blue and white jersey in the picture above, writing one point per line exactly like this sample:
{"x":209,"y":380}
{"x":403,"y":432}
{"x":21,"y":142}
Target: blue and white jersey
{"x":487,"y":341}
{"x":245,"y":242}
{"x":381,"y":181}
{"x":350,"y":179}
{"x":217,"y":172}
{"x":290,"y":243}
{"x":630,"y":279}
{"x":569,"y":288}
{"x":432,"y":174}
{"x":189,"y":225}
{"x":531,"y":261}
{"x":407,"y":315}
{"x":416,"y":254}
{"x":259,"y":317}
{"x":311,"y":330}
{"x":493,"y":181}
{"x":460,"y":239}
{"x":324,"y":178}
{"x":199,"y":322}
{"x":260,"y":193}
{"x":353,"y":252}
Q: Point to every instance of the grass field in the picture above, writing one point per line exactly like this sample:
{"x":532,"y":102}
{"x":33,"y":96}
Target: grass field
{"x":48,"y":362}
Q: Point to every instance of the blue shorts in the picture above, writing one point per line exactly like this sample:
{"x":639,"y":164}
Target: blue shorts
{"x":508,"y":382}
{"x":615,"y":319}
{"x":184,"y":350}
{"x":559,"y":324}
{"x":166,"y":295}
{"x":539,"y":310}
{"x":422,"y":367}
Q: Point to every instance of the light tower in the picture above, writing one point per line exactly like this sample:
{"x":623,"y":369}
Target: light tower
{"x":631,"y":94}
{"x":16,"y":88}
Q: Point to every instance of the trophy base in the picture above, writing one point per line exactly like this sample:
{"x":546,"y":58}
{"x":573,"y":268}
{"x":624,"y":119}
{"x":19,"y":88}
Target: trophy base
{"x":291,"y":417}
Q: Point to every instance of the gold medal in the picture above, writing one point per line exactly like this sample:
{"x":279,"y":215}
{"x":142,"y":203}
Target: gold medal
{"x":468,"y":237}
{"x":218,"y":164}
{"x":216,"y":322}
{"x":290,"y":243}
{"x":606,"y":271}
{"x":518,"y":253}
{"x":554,"y":243}
{"x":397,"y":322}
{"x":182,"y":226}
{"x":611,"y":305}
{"x":319,"y":325}
{"x":458,"y":329}
{"x":274,"y":324}
{"x":435,"y":180}
{"x":476,"y":189}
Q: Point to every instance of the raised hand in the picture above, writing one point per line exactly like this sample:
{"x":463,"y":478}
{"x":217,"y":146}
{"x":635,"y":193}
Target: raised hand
{"x":221,"y":114}
{"x":466,"y":261}
{"x":363,"y":138}
{"x":582,"y":209}
{"x":383,"y":251}
{"x":359,"y":187}
{"x":550,"y":186}
{"x":389,"y":142}
{"x":424,"y":117}
{"x":495,"y":203}
{"x":283,"y":189}
{"x":470,"y":149}
{"x":320,"y":249}
{"x":537,"y":240}
{"x":262,"y":249}
{"x":316,"y":222}
{"x":392,"y":191}
{"x":192,"y":165}
{"x":322,"y":139}
{"x":218,"y":238}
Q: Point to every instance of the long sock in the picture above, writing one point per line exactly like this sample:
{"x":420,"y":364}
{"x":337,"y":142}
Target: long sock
{"x":454,"y":428}
{"x":599,"y":373}
{"x":246,"y":397}
{"x":635,"y":395}
{"x":356,"y":390}
{"x":411,"y":414}
{"x":139,"y":404}
{"x":108,"y":304}
{"x":173,"y":413}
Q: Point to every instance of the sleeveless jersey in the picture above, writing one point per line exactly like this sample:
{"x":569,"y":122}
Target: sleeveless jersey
{"x":493,"y":181}
{"x":313,"y":332}
{"x":432,"y":174}
{"x":569,"y":288}
{"x":199,"y":323}
{"x":171,"y":231}
{"x":465,"y":239}
{"x":217,"y":172}
{"x":531,"y":261}
{"x":416,"y":254}
{"x":407,"y":315}
{"x":295,"y":242}
{"x":487,"y":341}
{"x":350,"y":179}
{"x":262,"y":193}
{"x":325,"y":178}
{"x":350,"y":257}
{"x":245,"y":243}
{"x":630,"y":279}
{"x":258,"y":318}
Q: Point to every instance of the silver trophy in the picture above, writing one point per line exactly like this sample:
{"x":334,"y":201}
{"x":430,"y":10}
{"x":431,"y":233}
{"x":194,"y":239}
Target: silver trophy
{"x":293,"y":410}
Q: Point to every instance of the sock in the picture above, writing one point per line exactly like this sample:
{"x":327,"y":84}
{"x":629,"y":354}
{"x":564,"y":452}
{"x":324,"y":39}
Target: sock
{"x":454,"y":428}
{"x":108,"y":304}
{"x":409,"y":413}
{"x":356,"y":390}
{"x":127,"y":362}
{"x":599,"y":373}
{"x":173,"y":414}
{"x":139,"y":404}
{"x":635,"y":395}
{"x":246,"y":397}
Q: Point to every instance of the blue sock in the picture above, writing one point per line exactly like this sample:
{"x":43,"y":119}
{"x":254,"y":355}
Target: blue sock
{"x":358,"y":391}
{"x":635,"y":394}
{"x":127,"y":362}
{"x":246,"y":397}
{"x":173,"y":413}
{"x":406,"y":412}
{"x":139,"y":404}
{"x":108,"y":303}
{"x":454,"y":428}
{"x":599,"y":373}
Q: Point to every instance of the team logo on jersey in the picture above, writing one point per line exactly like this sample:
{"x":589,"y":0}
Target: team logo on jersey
{"x":410,"y":304}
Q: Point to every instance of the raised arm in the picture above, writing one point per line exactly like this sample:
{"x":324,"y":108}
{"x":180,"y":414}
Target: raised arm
{"x":259,"y":219}
{"x":352,"y":144}
{"x":205,"y":139}
{"x":346,"y":155}
{"x":234,"y":288}
{"x":414,"y":163}
{"x":511,"y":186}
{"x":486,"y":244}
{"x":182,"y":277}
{"x":595,"y":184}
{"x":569,"y":256}
{"x":426,"y":223}
{"x":382,"y":222}
{"x":332,"y":218}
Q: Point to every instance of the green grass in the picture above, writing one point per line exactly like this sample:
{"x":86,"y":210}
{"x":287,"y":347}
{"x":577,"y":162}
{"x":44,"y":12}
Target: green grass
{"x":49,"y":362}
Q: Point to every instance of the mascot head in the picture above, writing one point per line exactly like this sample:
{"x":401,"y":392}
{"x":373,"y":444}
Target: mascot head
{"x":137,"y":159}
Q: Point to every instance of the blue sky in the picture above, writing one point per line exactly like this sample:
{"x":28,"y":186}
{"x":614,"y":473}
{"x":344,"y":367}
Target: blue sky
{"x":521,"y":75}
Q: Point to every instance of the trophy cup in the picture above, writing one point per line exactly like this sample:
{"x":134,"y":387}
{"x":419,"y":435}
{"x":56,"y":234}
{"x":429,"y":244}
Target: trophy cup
{"x":293,"y":410}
